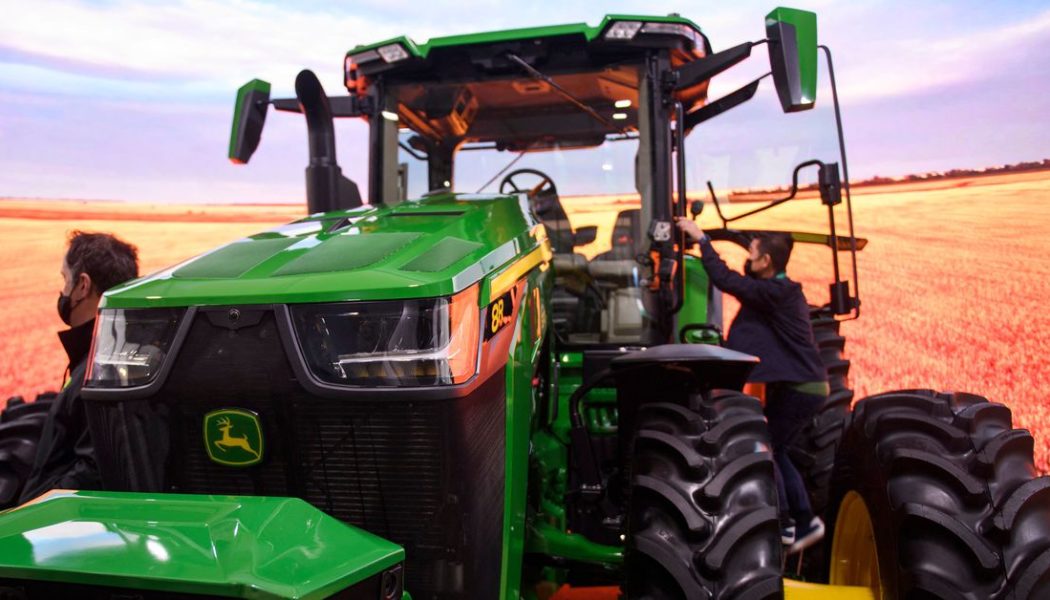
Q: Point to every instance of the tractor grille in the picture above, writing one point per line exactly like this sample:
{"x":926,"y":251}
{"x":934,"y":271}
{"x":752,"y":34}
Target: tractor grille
{"x":424,"y":474}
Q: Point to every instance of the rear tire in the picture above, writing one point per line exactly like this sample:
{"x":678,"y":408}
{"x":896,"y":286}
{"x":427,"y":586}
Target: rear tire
{"x":813,"y":451}
{"x":20,"y":427}
{"x":702,"y":521}
{"x":956,"y":506}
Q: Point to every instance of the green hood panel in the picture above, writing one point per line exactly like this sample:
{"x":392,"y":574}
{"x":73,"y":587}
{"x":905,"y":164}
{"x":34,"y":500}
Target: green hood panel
{"x":246,"y":547}
{"x":432,"y":247}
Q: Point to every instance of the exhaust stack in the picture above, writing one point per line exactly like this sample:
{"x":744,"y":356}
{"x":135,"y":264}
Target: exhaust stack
{"x":326,"y":187}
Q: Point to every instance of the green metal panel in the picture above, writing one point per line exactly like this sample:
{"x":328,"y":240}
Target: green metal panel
{"x":233,"y":260}
{"x":695,"y":308}
{"x":347,"y":253}
{"x":442,"y":255}
{"x":805,"y":27}
{"x":521,"y":367}
{"x":507,"y":35}
{"x":246,"y":547}
{"x":305,"y":262}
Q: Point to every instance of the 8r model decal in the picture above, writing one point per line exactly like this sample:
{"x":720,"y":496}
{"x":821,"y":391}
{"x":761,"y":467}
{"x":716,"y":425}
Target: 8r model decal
{"x":499,"y":314}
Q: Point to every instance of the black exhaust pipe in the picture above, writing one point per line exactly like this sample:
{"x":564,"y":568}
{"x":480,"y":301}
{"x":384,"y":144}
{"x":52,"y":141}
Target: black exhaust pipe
{"x":326,"y":187}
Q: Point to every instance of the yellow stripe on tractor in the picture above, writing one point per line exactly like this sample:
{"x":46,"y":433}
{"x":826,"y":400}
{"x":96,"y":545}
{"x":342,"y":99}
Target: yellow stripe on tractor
{"x":800,"y":590}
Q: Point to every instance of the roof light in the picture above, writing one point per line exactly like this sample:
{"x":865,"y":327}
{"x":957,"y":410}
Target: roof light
{"x":364,"y":57}
{"x":619,"y":116}
{"x":679,"y":29}
{"x":623,"y":30}
{"x":393,"y":52}
{"x":622,"y":104}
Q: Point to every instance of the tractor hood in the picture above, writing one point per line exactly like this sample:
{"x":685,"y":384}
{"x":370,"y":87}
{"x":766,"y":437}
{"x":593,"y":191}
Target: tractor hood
{"x":425,"y":248}
{"x":246,"y":547}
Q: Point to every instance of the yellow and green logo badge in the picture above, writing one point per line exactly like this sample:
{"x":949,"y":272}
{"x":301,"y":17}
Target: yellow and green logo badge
{"x":233,"y":437}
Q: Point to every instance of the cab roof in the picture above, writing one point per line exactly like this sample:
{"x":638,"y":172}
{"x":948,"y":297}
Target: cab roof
{"x":690,"y":30}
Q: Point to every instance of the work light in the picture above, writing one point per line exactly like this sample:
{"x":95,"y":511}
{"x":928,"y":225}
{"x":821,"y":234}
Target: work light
{"x":130,"y":345}
{"x":418,"y":342}
{"x":623,"y":30}
{"x":392,"y":52}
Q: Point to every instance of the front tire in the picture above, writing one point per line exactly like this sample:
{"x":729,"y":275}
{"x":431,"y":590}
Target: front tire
{"x":956,"y":507}
{"x":702,"y":520}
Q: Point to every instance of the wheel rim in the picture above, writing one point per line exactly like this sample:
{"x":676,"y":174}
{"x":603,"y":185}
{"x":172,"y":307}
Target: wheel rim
{"x":854,"y":558}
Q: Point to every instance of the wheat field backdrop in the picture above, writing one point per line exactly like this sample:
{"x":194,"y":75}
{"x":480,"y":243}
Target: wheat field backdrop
{"x":953,"y":280}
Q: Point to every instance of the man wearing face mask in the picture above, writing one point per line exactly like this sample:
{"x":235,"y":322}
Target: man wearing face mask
{"x":773,"y":324}
{"x":94,"y":263}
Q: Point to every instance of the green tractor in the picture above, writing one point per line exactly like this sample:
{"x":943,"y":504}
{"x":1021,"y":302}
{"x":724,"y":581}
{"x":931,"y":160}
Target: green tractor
{"x":454,"y":392}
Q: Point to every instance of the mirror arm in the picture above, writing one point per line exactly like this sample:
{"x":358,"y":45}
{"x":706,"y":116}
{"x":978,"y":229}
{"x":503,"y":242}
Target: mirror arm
{"x":700,"y":70}
{"x":729,"y":101}
{"x":794,"y":192}
{"x":718,"y":207}
{"x":340,"y":106}
{"x":845,"y":179}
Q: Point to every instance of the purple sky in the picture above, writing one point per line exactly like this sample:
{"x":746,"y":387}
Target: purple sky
{"x":132,"y":100}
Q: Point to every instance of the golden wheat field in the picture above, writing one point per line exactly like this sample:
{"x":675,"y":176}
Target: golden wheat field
{"x":952,"y":282}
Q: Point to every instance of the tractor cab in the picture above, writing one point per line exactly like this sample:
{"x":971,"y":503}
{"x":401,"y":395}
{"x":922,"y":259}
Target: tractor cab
{"x":588,"y":125}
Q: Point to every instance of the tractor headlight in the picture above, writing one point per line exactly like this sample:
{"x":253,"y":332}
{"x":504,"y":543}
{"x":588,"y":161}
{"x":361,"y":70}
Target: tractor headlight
{"x":424,"y":342}
{"x":129,"y":346}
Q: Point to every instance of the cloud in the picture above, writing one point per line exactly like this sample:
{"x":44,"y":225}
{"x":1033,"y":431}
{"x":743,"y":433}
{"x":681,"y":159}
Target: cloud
{"x":103,"y":97}
{"x":894,"y":67}
{"x":221,"y":43}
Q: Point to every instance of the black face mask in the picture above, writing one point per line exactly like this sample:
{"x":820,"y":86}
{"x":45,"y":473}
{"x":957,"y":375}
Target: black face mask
{"x":65,"y":307}
{"x":748,"y":272}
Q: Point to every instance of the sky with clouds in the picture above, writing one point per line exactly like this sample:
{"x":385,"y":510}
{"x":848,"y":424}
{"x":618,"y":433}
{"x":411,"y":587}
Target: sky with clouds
{"x":131,"y":100}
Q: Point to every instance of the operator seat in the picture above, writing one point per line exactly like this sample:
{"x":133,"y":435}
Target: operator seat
{"x":549,"y":209}
{"x":624,"y":237}
{"x":617,"y":272}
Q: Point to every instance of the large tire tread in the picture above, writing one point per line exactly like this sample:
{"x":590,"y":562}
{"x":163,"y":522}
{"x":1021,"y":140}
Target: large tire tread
{"x":955,"y":500}
{"x":702,"y":517}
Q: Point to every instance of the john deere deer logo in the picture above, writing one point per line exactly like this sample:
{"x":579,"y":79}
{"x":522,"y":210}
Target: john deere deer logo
{"x":233,"y":437}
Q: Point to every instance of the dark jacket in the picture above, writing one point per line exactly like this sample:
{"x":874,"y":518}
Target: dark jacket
{"x":65,"y":456}
{"x":773,"y":323}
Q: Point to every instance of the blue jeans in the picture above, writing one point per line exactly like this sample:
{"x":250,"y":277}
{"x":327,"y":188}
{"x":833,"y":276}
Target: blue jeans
{"x":787,"y":412}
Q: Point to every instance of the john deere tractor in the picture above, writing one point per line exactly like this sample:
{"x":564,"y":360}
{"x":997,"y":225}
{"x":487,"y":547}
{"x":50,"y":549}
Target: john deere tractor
{"x":445,"y":382}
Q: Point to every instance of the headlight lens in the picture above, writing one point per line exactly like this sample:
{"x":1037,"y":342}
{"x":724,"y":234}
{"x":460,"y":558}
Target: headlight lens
{"x":433,"y":341}
{"x":130,"y":345}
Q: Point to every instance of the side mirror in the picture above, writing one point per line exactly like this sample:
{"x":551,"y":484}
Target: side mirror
{"x":792,"y":36}
{"x":249,"y":116}
{"x":585,"y":235}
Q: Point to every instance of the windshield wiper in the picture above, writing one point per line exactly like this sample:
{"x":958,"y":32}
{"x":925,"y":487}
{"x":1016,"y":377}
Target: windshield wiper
{"x":502,"y":171}
{"x":565,"y":93}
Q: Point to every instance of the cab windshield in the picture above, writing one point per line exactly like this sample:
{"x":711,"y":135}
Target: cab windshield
{"x":570,"y":143}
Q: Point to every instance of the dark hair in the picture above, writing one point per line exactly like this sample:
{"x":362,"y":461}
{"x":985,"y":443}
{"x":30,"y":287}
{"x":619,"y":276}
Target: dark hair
{"x":778,"y":246}
{"x":107,"y":260}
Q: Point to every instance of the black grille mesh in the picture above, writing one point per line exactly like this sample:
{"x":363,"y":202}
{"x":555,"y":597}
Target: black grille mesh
{"x":424,"y":474}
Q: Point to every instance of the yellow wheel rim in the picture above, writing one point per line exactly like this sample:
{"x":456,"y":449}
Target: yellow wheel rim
{"x":854,"y":559}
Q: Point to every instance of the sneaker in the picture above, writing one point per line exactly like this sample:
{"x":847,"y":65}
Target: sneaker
{"x":807,"y":535}
{"x":787,"y":532}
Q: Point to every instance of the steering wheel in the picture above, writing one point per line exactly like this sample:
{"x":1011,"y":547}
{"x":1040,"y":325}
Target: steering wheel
{"x":512,"y":183}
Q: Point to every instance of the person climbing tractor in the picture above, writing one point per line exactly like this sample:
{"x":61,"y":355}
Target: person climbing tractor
{"x":774,"y":324}
{"x":94,"y":263}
